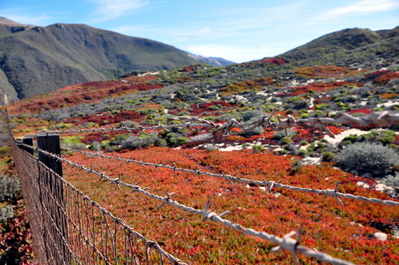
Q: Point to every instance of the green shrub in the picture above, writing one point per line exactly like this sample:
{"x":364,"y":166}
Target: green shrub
{"x":6,"y":213}
{"x":257,"y":131}
{"x":296,"y":166}
{"x":327,"y":156}
{"x":72,"y":142}
{"x":392,"y":181}
{"x":258,"y":148}
{"x":143,"y":140}
{"x":281,"y":134}
{"x":303,"y":153}
{"x":4,"y":150}
{"x":384,"y":137}
{"x":9,"y":186}
{"x":304,"y":115}
{"x":283,"y":152}
{"x":291,"y":148}
{"x":352,"y":138}
{"x":286,"y":140}
{"x":374,"y":159}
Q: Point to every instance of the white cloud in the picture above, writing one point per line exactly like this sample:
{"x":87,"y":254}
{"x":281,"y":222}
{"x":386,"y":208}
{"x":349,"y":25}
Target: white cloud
{"x":28,"y":20}
{"x":230,"y":52}
{"x":110,"y":9}
{"x":362,"y":7}
{"x":239,"y":19}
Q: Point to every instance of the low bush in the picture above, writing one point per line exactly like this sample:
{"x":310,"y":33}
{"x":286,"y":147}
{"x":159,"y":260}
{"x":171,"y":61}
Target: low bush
{"x":327,"y":156}
{"x":9,"y":187}
{"x":6,"y":213}
{"x":144,"y":140}
{"x":392,"y":181}
{"x":278,"y":135}
{"x":74,"y":142}
{"x":362,"y":158}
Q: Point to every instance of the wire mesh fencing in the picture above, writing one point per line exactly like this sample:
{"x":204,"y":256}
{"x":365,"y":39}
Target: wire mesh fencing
{"x":69,"y":228}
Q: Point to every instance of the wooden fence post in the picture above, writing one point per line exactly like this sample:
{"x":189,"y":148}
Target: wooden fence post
{"x":28,"y":140}
{"x":50,"y":143}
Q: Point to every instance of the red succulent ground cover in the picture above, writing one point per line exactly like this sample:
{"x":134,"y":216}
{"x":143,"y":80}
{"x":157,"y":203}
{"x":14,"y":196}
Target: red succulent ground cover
{"x":326,"y":71}
{"x":384,"y":78}
{"x":389,"y":95}
{"x":316,"y":87}
{"x":241,"y":86}
{"x":374,"y":75}
{"x":16,"y":238}
{"x":190,"y":68}
{"x":275,"y":61}
{"x":90,"y":92}
{"x":344,"y":232}
{"x":200,"y":108}
{"x":364,"y":111}
{"x":266,"y":61}
{"x":103,"y":118}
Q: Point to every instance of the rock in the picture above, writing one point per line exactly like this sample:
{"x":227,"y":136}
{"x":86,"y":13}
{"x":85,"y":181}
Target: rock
{"x":363,"y":184}
{"x":311,"y":161}
{"x":381,"y":236}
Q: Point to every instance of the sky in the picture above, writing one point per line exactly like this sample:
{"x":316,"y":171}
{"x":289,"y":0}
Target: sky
{"x":236,"y":30}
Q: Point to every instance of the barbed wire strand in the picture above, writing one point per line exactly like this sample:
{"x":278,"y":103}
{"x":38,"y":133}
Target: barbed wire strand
{"x":284,"y":243}
{"x":149,"y":243}
{"x":129,"y":129}
{"x":270,"y":184}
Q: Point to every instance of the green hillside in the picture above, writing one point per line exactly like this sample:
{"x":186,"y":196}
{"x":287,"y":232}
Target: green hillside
{"x":36,"y":60}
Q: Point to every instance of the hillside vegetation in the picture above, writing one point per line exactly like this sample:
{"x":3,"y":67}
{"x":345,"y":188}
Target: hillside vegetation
{"x":36,"y":60}
{"x":354,"y":71}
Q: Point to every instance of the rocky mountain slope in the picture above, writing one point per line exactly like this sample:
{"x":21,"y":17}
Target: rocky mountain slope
{"x":350,"y":47}
{"x":36,"y":60}
{"x":215,"y":61}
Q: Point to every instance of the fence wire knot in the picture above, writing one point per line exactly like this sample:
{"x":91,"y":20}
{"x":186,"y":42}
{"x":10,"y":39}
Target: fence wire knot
{"x":208,"y":214}
{"x":197,"y":171}
{"x":116,"y":182}
{"x":270,"y":184}
{"x":290,"y":244}
{"x":148,"y":245}
{"x":333,"y":193}
{"x":165,"y":199}
{"x":136,"y":187}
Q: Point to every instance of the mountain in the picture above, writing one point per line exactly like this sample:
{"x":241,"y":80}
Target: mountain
{"x":36,"y":60}
{"x":349,"y":46}
{"x":215,"y":61}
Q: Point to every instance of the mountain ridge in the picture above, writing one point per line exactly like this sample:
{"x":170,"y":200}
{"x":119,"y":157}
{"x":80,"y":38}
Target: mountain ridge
{"x":36,"y":60}
{"x":341,"y":43}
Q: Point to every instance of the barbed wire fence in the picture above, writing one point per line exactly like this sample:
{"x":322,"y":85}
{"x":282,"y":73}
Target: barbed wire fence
{"x":68,"y":226}
{"x":95,"y":231}
{"x":269,"y":184}
{"x":286,"y":242}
